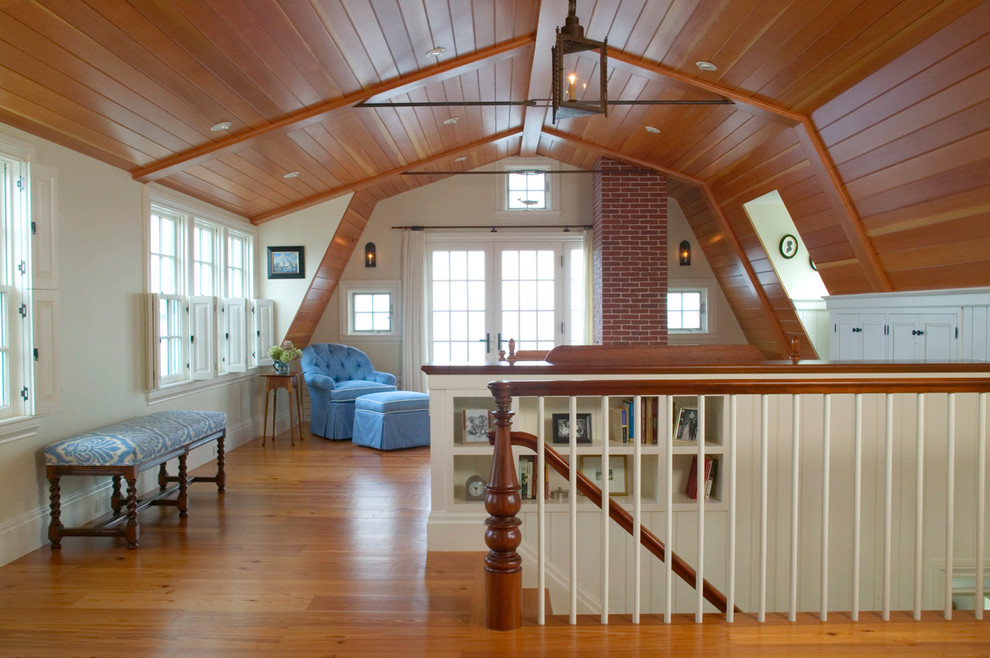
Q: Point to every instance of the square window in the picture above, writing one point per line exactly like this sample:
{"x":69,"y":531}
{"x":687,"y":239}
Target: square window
{"x":686,"y":311}
{"x":370,"y":309}
{"x":526,"y":190}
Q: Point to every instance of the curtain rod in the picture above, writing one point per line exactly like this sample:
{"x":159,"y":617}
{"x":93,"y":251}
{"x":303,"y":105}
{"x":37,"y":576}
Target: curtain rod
{"x":495,"y":229}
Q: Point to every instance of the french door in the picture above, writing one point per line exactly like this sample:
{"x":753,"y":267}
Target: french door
{"x":484,"y":293}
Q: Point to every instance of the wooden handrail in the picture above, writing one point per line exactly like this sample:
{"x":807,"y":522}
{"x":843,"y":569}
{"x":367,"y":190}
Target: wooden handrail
{"x":764,"y":385}
{"x":625,"y":520}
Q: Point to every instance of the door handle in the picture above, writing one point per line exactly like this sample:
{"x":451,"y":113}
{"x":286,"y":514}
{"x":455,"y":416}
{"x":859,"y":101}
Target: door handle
{"x":488,"y":342}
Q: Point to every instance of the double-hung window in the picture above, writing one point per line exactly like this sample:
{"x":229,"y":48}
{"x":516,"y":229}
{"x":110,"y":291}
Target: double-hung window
{"x":201,"y":283}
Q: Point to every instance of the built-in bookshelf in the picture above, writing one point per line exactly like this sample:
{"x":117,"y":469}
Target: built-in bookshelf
{"x":651,"y":426}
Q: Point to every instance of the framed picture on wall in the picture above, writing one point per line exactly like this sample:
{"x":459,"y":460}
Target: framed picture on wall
{"x":286,"y":263}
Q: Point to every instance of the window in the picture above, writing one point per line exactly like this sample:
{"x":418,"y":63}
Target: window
{"x":200,"y":280}
{"x":239,"y":271}
{"x":16,"y":373}
{"x":686,"y":310}
{"x":526,"y":189}
{"x":369,"y":309}
{"x":204,"y":258}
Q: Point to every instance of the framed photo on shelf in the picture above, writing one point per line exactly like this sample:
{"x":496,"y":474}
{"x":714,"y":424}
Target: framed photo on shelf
{"x":687,"y":424}
{"x":562,"y":431}
{"x":286,"y":263}
{"x":476,"y":425}
{"x":618,"y":478}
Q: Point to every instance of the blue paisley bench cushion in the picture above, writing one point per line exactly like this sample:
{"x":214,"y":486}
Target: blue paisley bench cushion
{"x":136,"y":441}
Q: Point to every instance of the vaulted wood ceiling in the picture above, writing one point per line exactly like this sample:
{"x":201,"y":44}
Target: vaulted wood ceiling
{"x":871,"y":117}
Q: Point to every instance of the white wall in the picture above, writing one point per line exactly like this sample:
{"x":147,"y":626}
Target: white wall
{"x":99,"y":347}
{"x":311,"y":228}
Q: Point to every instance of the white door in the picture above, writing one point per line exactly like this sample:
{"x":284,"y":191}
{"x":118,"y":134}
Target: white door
{"x":484,"y":294}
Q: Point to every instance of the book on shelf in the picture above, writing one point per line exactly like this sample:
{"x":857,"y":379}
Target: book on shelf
{"x":618,"y":425}
{"x":646,"y":428}
{"x":692,"y":484}
{"x":710,"y":482}
{"x":528,"y":480}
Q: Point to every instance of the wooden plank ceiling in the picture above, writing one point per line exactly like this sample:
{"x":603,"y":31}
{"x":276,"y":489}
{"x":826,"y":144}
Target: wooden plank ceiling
{"x":871,"y":117}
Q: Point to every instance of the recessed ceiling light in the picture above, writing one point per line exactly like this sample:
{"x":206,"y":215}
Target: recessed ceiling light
{"x":652,"y":129}
{"x":705,"y":65}
{"x":451,"y":121}
{"x":436,"y":51}
{"x":460,"y":159}
{"x":220,"y":126}
{"x":291,"y":174}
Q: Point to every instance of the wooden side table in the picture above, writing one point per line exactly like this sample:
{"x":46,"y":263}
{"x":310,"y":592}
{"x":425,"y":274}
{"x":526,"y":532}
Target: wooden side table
{"x":290,"y":382}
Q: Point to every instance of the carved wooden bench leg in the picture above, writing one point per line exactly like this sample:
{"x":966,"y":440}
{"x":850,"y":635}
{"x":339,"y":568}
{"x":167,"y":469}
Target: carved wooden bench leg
{"x":182,"y":501}
{"x":131,"y":529}
{"x":162,"y":476}
{"x":55,"y":525}
{"x":221,"y":474}
{"x":115,"y":497}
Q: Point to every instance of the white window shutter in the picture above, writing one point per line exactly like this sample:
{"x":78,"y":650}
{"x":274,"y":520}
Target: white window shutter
{"x":46,"y":361}
{"x":201,"y":343}
{"x":235,"y":334}
{"x":154,"y":340}
{"x":263,"y":331}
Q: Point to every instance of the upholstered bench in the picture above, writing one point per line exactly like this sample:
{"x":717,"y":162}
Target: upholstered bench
{"x":125,"y":449}
{"x":393,"y":420}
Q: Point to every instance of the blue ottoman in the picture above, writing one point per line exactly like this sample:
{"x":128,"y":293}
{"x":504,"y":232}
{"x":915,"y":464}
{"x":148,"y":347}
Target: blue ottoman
{"x":392,"y":420}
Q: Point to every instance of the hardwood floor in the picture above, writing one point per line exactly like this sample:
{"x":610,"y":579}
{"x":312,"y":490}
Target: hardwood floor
{"x":320,"y":550}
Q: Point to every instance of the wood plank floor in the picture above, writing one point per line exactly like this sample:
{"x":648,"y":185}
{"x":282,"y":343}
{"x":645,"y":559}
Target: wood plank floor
{"x":320,"y":550}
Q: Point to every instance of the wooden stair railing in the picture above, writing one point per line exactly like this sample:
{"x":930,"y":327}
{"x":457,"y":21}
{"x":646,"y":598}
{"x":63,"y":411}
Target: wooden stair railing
{"x":503,"y":566}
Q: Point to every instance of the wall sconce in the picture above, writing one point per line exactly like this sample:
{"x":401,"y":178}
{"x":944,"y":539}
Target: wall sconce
{"x":685,"y":252}
{"x":575,"y":91}
{"x":370,"y":258}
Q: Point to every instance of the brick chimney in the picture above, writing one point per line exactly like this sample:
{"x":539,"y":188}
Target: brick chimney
{"x":630,"y":255}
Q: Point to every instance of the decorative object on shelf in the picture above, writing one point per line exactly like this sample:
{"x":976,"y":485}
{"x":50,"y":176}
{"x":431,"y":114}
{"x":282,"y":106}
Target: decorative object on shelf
{"x":370,"y":257}
{"x":282,"y":355}
{"x":558,"y":495}
{"x":687,"y":425}
{"x":474,"y":488}
{"x":788,"y":246}
{"x":476,"y":424}
{"x":562,"y":432}
{"x":286,"y":263}
{"x":592,"y":97}
{"x":685,"y":252}
{"x":618,"y":480}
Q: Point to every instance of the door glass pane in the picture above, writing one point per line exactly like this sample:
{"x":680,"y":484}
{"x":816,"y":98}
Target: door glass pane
{"x":528,"y":291}
{"x":458,"y":306}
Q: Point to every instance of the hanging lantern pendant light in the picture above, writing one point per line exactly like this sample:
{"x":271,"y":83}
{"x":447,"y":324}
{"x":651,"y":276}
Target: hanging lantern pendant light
{"x":567,"y":101}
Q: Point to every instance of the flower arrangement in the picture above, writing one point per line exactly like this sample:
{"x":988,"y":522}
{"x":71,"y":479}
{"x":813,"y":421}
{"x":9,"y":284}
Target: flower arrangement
{"x":285,"y":352}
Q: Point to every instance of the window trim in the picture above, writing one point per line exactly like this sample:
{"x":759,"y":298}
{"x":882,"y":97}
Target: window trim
{"x":349,"y":288}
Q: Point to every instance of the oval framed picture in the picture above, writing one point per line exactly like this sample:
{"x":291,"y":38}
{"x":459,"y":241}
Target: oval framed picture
{"x":788,"y":246}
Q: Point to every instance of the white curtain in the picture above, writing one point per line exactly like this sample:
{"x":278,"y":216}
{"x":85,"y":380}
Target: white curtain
{"x":414,"y":338}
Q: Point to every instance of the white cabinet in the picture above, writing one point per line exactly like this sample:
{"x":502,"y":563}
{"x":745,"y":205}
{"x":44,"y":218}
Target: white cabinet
{"x":938,"y":326}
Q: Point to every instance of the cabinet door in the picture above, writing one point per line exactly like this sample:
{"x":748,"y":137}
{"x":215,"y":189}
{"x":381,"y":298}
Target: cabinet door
{"x":874,"y":332}
{"x":847,"y":338}
{"x":938,"y":336}
{"x":904,"y":343}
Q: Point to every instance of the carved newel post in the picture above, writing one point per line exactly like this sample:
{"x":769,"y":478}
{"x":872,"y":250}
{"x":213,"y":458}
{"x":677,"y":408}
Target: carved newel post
{"x":503,"y":566}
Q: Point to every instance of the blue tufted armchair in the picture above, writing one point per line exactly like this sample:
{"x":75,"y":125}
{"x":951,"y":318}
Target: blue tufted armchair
{"x":336,"y":375}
